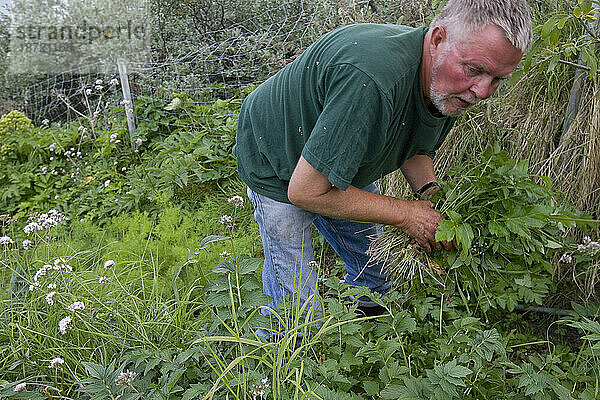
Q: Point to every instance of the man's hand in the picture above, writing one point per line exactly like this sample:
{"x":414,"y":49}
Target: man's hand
{"x":421,"y":223}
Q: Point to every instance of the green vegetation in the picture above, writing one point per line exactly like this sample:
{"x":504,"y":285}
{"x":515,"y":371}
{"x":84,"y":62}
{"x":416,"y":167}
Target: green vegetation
{"x":131,"y":269}
{"x":133,"y":289}
{"x":508,"y":231}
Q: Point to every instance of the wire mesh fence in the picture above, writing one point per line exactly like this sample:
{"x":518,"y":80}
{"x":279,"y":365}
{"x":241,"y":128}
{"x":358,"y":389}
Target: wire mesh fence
{"x":219,"y":51}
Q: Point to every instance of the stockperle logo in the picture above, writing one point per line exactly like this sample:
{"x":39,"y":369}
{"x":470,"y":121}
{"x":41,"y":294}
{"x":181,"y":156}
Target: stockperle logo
{"x":54,"y":36}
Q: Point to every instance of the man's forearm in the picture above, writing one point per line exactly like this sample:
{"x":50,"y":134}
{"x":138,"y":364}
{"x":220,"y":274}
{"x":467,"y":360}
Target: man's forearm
{"x":418,"y":170}
{"x":311,"y":190}
{"x":358,"y":205}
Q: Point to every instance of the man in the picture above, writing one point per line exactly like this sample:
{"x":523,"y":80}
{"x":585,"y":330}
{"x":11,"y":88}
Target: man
{"x":362,"y":101}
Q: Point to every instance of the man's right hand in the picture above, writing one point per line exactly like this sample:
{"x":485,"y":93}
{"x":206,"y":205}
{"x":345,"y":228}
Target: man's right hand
{"x":421,"y":222}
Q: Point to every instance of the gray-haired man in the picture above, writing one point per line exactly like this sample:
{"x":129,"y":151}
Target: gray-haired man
{"x":362,"y":101}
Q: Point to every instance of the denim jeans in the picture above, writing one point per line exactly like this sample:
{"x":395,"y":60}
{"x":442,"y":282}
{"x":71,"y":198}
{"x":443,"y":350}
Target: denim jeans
{"x":287,"y":243}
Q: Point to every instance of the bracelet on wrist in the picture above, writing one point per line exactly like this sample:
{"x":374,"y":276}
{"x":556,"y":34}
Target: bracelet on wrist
{"x":419,"y":193}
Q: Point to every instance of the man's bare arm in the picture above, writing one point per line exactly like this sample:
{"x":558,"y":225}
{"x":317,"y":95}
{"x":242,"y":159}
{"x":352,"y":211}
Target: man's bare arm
{"x":418,"y":170}
{"x":311,"y":190}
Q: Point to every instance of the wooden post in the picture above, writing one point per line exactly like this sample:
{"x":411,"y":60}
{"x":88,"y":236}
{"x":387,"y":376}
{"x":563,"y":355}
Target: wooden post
{"x":121,"y":63}
{"x":575,"y":95}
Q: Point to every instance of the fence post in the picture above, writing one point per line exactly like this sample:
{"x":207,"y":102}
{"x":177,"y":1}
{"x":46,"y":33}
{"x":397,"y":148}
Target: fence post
{"x":121,"y":63}
{"x":578,"y":82}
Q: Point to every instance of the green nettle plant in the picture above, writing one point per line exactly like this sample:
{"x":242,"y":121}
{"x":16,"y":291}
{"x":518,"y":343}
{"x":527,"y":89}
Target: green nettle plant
{"x":507,"y":230}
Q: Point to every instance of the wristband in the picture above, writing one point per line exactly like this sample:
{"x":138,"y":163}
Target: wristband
{"x":419,"y":193}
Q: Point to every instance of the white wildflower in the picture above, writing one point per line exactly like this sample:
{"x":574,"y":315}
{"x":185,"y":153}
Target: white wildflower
{"x":49,"y":298}
{"x":236,"y":201}
{"x":138,"y":141}
{"x":114,"y":81}
{"x":40,"y":273}
{"x":259,"y":389}
{"x":123,"y":169}
{"x":106,"y":183}
{"x":125,"y":102}
{"x":39,"y":222}
{"x":27,"y":244}
{"x":60,"y":264}
{"x":566,"y":258}
{"x":108,"y":264}
{"x":102,"y":279}
{"x":88,"y":91}
{"x":20,"y":387}
{"x":125,"y":378}
{"x":78,"y":305}
{"x":65,"y":324}
{"x":225,"y":255}
{"x":52,"y":286}
{"x":5,"y":240}
{"x":589,"y":247}
{"x":56,"y":215}
{"x":98,"y":82}
{"x":55,"y":362}
{"x":32,"y":227}
{"x":225,"y":220}
{"x":46,"y":122}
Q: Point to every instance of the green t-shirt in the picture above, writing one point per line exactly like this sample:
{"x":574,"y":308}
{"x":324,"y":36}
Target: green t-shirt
{"x":351,"y":104}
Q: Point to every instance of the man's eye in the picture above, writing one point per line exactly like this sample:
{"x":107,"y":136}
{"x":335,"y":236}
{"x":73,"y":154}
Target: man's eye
{"x":472,"y":70}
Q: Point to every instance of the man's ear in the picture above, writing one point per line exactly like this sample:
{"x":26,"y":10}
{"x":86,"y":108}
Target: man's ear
{"x":438,"y":36}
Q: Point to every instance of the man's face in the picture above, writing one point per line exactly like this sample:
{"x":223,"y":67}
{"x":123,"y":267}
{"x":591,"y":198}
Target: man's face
{"x":471,"y":69}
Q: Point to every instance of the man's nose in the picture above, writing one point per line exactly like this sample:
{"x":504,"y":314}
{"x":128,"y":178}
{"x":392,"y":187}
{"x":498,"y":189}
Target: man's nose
{"x":484,"y":87}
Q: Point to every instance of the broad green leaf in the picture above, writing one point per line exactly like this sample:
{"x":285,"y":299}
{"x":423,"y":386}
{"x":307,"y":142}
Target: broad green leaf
{"x":95,"y":370}
{"x":486,"y":343}
{"x":498,"y":229}
{"x":547,"y":28}
{"x":454,"y":216}
{"x":459,"y":371}
{"x":249,"y":265}
{"x":561,"y":22}
{"x":371,"y":388}
{"x":446,"y":231}
{"x":464,"y":236}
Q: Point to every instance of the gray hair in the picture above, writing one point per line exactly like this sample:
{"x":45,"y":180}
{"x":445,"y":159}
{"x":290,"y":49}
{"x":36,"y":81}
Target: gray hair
{"x":462,"y":17}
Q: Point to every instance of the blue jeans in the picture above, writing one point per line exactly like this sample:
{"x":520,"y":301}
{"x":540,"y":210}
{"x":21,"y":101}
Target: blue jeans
{"x":289,"y":266}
